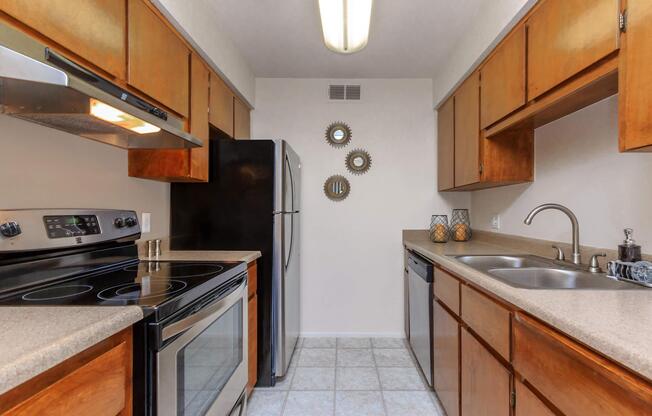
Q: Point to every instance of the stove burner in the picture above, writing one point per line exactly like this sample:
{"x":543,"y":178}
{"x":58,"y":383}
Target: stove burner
{"x":140,"y":291}
{"x":57,"y":292}
{"x":177,"y":270}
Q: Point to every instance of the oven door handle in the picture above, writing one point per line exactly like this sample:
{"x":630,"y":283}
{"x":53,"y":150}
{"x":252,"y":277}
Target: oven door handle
{"x":215,"y":308}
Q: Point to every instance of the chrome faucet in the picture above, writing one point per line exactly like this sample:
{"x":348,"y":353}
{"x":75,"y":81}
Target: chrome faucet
{"x":577,"y":259}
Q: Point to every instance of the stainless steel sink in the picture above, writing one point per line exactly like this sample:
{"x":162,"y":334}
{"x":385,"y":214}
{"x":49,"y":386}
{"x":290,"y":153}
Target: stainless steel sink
{"x":499,"y":262}
{"x":534,"y":272}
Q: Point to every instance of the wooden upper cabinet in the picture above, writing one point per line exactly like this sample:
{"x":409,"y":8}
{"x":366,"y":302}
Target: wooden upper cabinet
{"x":502,"y":88}
{"x":467,"y":131}
{"x":446,"y":354}
{"x":158,"y":59}
{"x":181,"y":165}
{"x":485,"y":382}
{"x":446,"y":145}
{"x":241,"y":120}
{"x":635,"y":98}
{"x":221,"y":105}
{"x":567,"y":36}
{"x":94,"y":30}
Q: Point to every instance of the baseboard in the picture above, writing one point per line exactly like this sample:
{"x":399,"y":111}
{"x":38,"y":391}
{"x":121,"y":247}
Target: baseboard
{"x":352,"y":335}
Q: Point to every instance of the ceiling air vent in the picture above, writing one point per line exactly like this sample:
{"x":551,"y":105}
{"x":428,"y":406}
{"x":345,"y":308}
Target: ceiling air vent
{"x":352,"y":92}
{"x":343,"y":92}
{"x":336,"y":92}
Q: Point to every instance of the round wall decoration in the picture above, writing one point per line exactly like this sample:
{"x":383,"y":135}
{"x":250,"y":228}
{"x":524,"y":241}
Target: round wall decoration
{"x":358,"y":161}
{"x":337,"y":188}
{"x":338,"y":134}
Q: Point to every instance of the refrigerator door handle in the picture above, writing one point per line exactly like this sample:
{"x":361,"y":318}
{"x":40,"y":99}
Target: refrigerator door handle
{"x":287,"y":261}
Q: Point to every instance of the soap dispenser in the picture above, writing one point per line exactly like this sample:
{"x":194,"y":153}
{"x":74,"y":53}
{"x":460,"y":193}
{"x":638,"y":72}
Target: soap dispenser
{"x":628,"y":250}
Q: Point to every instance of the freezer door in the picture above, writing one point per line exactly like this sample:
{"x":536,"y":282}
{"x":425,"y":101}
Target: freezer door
{"x":288,"y":179}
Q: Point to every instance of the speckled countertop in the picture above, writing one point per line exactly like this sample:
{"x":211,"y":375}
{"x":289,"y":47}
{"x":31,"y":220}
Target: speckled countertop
{"x":181,"y":255}
{"x":617,"y":323}
{"x":35,"y":339}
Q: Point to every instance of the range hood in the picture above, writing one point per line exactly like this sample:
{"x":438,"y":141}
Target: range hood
{"x":39,"y":85}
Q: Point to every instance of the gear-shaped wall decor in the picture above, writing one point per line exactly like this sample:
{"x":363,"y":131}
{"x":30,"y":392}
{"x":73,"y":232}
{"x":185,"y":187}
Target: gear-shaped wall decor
{"x":338,"y":134}
{"x":337,"y":188}
{"x":358,"y":161}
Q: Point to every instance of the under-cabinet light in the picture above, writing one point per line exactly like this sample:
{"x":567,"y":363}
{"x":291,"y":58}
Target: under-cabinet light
{"x":120,"y":118}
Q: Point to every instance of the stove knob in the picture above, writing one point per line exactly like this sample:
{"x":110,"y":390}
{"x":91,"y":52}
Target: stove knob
{"x":130,"y":221}
{"x":10,"y":229}
{"x":119,"y":222}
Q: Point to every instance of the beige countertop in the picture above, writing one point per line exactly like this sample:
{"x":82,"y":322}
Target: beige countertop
{"x":615,"y":323}
{"x":198,"y":255}
{"x":35,"y":339}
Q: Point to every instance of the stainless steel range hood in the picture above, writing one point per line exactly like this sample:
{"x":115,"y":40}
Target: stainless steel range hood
{"x":38,"y":85}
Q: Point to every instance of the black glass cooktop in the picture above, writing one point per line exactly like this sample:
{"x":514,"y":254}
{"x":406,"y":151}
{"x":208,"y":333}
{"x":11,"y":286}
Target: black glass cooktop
{"x":158,"y":287}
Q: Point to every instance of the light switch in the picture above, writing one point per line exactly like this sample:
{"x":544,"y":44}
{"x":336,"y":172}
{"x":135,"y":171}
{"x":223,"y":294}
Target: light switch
{"x":495,"y":222}
{"x":146,"y":222}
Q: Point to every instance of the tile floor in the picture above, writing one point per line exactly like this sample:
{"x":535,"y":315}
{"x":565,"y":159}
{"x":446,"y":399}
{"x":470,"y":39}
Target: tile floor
{"x":348,"y":377}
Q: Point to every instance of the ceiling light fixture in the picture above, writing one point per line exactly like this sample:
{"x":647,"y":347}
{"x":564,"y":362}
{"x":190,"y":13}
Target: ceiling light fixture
{"x":345,"y":24}
{"x":119,"y":118}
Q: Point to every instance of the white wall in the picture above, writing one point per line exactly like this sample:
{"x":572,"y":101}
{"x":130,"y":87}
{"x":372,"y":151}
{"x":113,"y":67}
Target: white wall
{"x":196,"y":21}
{"x":577,"y":164}
{"x":482,"y":34}
{"x":45,"y":168}
{"x":351,"y":250}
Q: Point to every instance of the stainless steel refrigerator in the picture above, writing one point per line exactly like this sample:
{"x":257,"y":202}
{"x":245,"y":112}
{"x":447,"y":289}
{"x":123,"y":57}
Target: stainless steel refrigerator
{"x":251,"y":202}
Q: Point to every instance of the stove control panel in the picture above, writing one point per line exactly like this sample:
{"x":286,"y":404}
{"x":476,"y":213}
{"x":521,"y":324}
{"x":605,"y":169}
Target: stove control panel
{"x":60,"y":226}
{"x":47,"y":229}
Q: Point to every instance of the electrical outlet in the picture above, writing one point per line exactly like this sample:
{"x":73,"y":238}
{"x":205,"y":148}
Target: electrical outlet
{"x":146,"y":222}
{"x":495,"y":222}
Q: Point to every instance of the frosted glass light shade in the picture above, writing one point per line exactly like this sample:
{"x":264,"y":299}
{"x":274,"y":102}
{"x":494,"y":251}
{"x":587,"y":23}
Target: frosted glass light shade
{"x":345,"y":24}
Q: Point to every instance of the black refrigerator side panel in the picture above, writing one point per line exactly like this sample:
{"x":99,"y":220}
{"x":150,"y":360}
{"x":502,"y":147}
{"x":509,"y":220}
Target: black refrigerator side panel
{"x":233,"y":211}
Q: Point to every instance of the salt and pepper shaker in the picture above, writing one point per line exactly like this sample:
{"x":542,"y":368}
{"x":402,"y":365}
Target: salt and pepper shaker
{"x":153,"y":248}
{"x":629,"y":251}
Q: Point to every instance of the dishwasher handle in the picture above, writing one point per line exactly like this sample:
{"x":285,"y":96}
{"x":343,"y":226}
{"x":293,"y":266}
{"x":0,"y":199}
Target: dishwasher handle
{"x":420,"y":266}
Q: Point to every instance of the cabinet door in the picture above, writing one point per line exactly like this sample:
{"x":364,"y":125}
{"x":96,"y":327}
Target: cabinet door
{"x":485,"y":382}
{"x":181,"y":165}
{"x":635,"y":80}
{"x":467,"y":132}
{"x":158,"y":59}
{"x":241,"y":120}
{"x":567,"y":36}
{"x":221,"y":105}
{"x":95,"y":30}
{"x":252,"y":343}
{"x":446,"y":352}
{"x":527,"y":403}
{"x":502,"y":78}
{"x":446,"y":145}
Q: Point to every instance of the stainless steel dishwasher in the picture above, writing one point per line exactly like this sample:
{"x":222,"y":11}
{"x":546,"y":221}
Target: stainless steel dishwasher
{"x":420,"y":275}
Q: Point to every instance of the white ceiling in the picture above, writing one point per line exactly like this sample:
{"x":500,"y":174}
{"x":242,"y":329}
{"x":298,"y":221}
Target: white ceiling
{"x":408,"y":39}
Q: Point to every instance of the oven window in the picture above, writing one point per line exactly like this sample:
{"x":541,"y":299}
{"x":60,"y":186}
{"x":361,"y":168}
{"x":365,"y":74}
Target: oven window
{"x":206,"y":364}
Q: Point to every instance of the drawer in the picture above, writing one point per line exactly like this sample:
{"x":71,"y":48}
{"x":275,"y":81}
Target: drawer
{"x":488,"y":319}
{"x":447,"y":290}
{"x":574,"y":379}
{"x":97,"y":388}
{"x":252,"y":276}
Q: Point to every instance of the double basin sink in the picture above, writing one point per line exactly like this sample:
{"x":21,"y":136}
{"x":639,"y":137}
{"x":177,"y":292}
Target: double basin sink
{"x":533,"y":272}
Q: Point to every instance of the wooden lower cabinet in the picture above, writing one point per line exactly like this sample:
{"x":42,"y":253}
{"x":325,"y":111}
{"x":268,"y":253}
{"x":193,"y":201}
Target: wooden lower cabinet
{"x":97,"y":381}
{"x":446,"y":354}
{"x":485,"y":383}
{"x":252,"y":333}
{"x":527,"y":403}
{"x":574,"y":379}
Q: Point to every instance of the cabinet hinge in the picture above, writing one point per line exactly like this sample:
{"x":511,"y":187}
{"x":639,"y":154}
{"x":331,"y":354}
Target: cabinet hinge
{"x":512,"y":398}
{"x":481,"y":168}
{"x":622,"y":21}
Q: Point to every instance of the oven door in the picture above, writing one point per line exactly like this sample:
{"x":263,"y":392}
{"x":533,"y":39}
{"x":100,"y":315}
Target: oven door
{"x":203,"y":371}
